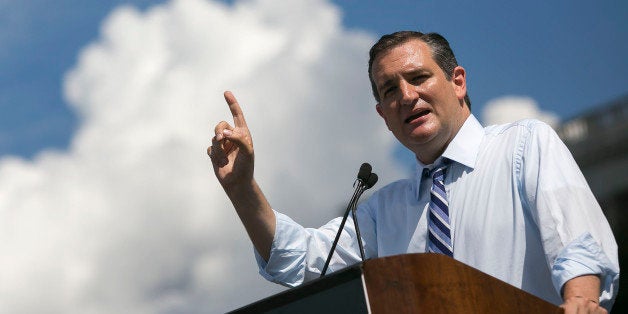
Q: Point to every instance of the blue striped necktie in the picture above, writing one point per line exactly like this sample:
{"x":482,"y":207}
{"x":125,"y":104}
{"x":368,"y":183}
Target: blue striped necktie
{"x":439,"y":229}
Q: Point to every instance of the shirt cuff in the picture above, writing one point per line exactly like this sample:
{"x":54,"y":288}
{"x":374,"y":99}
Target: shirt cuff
{"x":584,"y":256}
{"x":286,"y":263}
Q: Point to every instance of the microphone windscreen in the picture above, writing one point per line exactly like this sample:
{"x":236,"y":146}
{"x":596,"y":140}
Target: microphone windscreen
{"x":371,"y":180}
{"x":365,"y":171}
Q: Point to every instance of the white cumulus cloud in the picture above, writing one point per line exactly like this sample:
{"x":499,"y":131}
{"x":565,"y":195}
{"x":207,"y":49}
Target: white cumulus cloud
{"x":130,"y":218}
{"x":512,"y":108}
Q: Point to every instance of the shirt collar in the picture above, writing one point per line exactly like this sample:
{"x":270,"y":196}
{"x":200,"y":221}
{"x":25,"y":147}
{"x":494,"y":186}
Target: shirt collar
{"x":463,"y":148}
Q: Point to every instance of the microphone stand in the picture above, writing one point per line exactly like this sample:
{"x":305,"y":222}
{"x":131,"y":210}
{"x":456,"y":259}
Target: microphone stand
{"x":357,"y":231}
{"x":370,"y":182}
{"x":365,"y":181}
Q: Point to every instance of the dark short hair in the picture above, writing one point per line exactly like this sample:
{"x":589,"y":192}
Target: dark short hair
{"x":441,"y":53}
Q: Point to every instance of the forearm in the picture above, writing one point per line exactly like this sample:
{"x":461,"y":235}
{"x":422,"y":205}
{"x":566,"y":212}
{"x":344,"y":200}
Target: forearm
{"x":255,"y":213}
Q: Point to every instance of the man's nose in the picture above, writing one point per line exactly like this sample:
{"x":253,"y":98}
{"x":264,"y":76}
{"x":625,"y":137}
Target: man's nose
{"x":409,"y":94}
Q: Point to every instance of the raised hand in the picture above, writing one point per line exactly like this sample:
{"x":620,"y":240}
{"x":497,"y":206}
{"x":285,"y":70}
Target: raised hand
{"x":231,"y":151}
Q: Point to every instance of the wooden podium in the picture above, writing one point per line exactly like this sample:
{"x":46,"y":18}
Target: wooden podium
{"x":410,"y":283}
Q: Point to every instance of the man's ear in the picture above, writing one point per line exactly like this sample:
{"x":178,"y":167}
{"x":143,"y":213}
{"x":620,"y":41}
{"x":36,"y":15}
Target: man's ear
{"x":379,"y":110}
{"x":459,"y":81}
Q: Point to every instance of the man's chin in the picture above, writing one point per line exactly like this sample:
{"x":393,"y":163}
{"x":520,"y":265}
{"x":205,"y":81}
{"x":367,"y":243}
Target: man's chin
{"x":421,"y":134}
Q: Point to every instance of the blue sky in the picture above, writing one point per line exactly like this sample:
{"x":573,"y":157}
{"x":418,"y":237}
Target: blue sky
{"x":567,"y":55}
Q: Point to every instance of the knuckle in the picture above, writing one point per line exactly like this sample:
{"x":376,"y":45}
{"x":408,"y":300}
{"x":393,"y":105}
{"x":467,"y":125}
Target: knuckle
{"x":221,"y":126}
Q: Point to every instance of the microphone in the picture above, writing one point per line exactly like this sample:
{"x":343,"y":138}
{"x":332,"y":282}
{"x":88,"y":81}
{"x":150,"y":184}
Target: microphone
{"x":364,"y":172}
{"x":371,"y":180}
{"x":366,"y":180}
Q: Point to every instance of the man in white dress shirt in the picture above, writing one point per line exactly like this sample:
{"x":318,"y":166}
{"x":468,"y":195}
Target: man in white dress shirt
{"x":517,"y":206}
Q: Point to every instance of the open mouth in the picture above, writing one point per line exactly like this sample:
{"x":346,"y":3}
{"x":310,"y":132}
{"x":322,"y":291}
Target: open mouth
{"x":416,"y":116}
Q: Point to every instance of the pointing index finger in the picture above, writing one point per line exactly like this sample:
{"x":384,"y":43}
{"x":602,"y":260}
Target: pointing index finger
{"x":236,"y":111}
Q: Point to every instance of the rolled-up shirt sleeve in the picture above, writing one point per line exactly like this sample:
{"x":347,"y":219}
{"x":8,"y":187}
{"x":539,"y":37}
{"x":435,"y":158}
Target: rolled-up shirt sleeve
{"x":298,"y":254}
{"x":584,"y":256}
{"x":287,"y":253}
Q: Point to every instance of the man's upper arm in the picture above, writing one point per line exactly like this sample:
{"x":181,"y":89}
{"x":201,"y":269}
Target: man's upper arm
{"x":576,"y":236}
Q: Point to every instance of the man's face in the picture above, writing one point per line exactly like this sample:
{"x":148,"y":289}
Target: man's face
{"x":419,"y":105}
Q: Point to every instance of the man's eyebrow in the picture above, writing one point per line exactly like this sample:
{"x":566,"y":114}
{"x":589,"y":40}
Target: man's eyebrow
{"x":418,"y":70}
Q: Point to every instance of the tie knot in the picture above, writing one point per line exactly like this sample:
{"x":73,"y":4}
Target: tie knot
{"x":438,"y":170}
{"x":438,"y":173}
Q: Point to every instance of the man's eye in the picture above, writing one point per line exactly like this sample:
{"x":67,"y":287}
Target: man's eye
{"x":419,"y":78}
{"x":389,"y":90}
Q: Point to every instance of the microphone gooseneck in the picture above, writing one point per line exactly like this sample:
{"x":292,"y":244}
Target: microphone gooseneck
{"x":365,"y":180}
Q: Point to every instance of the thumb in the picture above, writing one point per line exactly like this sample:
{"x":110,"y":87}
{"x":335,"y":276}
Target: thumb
{"x":239,"y":138}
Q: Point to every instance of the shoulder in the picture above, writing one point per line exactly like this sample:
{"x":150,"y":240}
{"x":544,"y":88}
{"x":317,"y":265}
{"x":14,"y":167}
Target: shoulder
{"x":524,"y":125}
{"x":522,"y":133}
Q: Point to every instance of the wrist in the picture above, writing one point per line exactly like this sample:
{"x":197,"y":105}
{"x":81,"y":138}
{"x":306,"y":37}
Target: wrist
{"x":238,"y":187}
{"x":247,"y":199}
{"x":581,"y":288}
{"x":588,"y":299}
